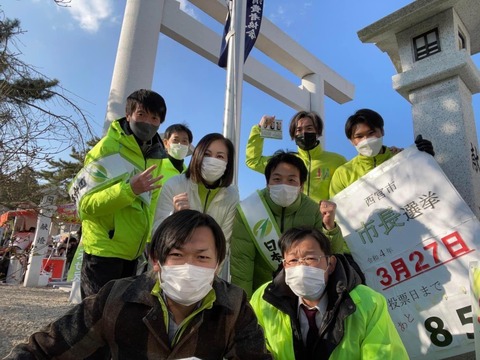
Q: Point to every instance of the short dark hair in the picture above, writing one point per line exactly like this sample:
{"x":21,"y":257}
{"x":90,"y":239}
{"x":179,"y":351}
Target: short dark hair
{"x":194,"y":170}
{"x":177,"y":128}
{"x":281,"y":156}
{"x":316,"y":119}
{"x":292,"y":235}
{"x":363,"y":116}
{"x":150,"y":101}
{"x":177,"y":229}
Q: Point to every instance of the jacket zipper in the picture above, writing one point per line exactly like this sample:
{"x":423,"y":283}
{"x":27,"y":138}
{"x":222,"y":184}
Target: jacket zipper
{"x":206,"y":202}
{"x":282,"y":218}
{"x":309,"y":172}
{"x":140,"y":250}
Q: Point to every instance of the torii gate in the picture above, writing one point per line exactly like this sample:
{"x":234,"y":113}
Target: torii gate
{"x":144,"y":20}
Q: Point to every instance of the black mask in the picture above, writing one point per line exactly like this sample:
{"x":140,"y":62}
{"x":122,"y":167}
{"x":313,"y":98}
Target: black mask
{"x":306,"y":141}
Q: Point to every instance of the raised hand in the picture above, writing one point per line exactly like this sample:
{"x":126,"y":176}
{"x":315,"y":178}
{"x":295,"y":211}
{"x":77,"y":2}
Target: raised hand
{"x":424,"y":145}
{"x":328,"y":209}
{"x":180,"y":202}
{"x":266,"y":121}
{"x":144,"y":181}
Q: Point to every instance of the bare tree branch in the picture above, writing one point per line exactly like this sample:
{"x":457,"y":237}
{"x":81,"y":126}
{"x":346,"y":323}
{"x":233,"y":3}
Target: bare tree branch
{"x":37,"y":118}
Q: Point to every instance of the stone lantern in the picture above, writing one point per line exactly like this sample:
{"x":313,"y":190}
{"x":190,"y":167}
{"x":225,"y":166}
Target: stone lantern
{"x":430,"y":43}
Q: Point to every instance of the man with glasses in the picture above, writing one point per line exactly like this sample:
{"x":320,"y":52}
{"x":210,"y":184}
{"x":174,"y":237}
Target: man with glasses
{"x":317,"y":308}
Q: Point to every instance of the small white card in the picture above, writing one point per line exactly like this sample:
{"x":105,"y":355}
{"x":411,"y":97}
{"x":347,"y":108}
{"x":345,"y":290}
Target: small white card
{"x":273,"y":131}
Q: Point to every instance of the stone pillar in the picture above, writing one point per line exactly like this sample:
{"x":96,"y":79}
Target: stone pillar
{"x":136,"y":54}
{"x":443,"y":112}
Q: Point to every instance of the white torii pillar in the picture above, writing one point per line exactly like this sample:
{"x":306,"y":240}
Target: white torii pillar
{"x":136,"y":53}
{"x":144,"y":20}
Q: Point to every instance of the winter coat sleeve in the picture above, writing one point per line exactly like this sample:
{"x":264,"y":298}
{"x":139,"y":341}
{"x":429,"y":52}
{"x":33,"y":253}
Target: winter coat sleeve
{"x":337,"y":183}
{"x":230,"y":211}
{"x":164,"y":203}
{"x":248,"y":341}
{"x":381,"y":339}
{"x":109,"y":200}
{"x":336,"y":238}
{"x":254,"y":158}
{"x":116,"y":195}
{"x":334,"y":235}
{"x":371,"y":328}
{"x":243,"y":256}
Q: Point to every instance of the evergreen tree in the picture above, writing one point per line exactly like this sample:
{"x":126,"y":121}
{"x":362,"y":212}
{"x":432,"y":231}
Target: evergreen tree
{"x":37,"y":120}
{"x":21,"y":188}
{"x":61,"y":172}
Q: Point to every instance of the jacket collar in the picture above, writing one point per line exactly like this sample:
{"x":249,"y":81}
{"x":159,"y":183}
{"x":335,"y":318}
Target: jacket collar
{"x":313,"y":153}
{"x":342,"y":280}
{"x":153,"y":149}
{"x":378,"y":159}
{"x":140,"y":289}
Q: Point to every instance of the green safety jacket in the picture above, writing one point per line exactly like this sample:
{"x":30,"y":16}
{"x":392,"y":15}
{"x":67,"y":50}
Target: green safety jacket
{"x":356,"y":324}
{"x":116,"y":222}
{"x":320,"y":164}
{"x":169,"y":170}
{"x":248,"y":267}
{"x":353,"y":170}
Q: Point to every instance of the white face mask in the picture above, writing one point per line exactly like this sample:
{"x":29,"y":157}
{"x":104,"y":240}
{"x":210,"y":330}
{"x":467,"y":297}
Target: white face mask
{"x":370,"y":146}
{"x":307,"y":282}
{"x":178,"y":151}
{"x":283,"y":195}
{"x":213,"y":169}
{"x":186,"y":284}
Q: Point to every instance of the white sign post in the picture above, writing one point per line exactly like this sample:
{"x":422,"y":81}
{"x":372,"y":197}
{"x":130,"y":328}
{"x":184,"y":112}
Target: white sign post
{"x":414,"y":237}
{"x":40,"y":243}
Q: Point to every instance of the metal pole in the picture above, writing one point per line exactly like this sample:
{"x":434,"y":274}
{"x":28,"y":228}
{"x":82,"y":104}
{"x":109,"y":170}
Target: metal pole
{"x":234,"y":80}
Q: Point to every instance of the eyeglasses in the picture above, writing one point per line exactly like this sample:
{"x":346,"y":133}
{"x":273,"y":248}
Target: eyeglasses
{"x":307,"y":260}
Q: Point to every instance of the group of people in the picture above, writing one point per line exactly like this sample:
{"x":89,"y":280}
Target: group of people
{"x":216,"y":288}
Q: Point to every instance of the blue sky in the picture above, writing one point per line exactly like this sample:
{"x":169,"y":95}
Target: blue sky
{"x":77,"y":45}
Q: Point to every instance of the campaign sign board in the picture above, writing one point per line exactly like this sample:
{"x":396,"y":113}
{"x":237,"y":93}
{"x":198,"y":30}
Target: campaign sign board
{"x":414,"y":236}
